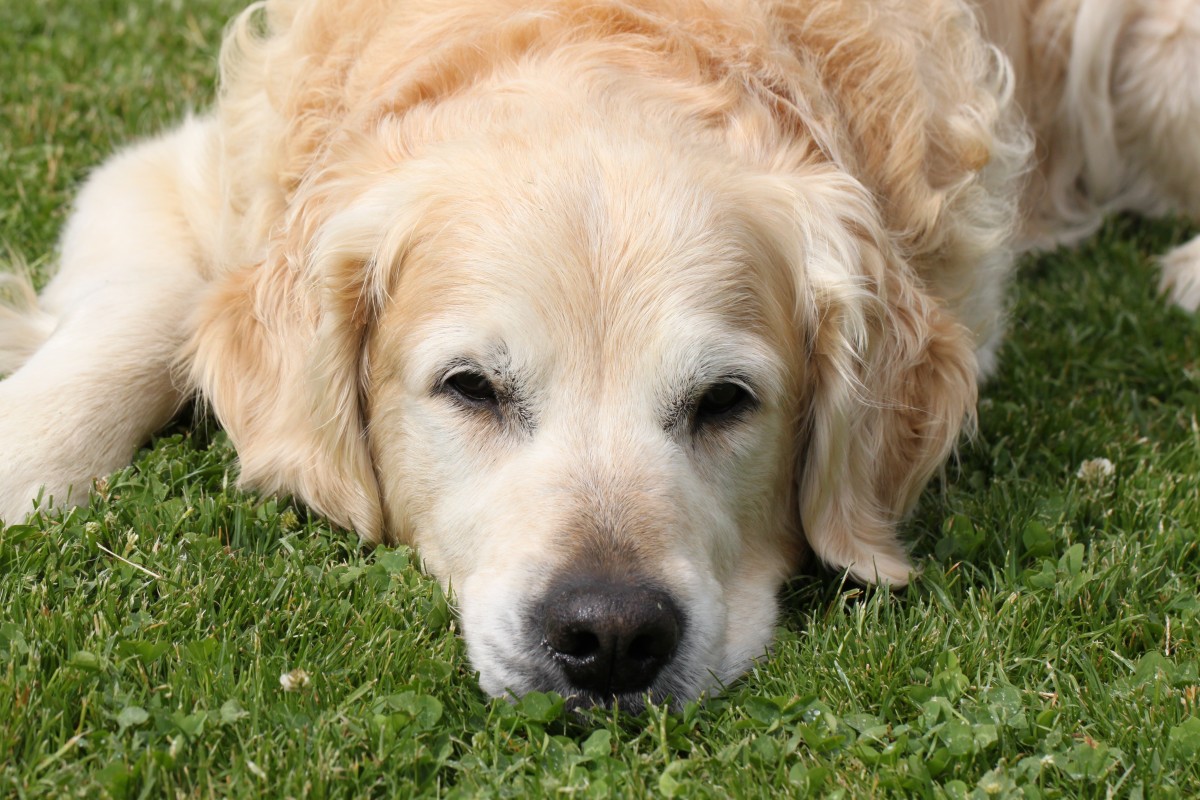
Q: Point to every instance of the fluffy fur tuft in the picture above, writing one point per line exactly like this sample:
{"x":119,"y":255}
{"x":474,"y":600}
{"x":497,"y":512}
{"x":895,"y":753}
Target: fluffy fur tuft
{"x":24,"y":326}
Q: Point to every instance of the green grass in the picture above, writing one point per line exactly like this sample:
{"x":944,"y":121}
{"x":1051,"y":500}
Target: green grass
{"x":1050,"y":648}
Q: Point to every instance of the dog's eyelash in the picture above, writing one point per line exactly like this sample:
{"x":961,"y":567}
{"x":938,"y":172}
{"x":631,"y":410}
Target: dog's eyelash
{"x":723,"y":399}
{"x":699,"y":408}
{"x":473,"y":386}
{"x":476,"y":389}
{"x":467,"y":382}
{"x":721,"y":402}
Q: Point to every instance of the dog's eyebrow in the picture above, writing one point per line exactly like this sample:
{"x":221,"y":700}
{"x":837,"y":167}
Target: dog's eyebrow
{"x":494,"y":360}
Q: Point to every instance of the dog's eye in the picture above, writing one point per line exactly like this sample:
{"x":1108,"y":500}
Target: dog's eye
{"x":473,"y":386}
{"x":722,"y":400}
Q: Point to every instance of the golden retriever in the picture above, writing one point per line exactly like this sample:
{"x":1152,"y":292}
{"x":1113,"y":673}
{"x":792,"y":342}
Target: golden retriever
{"x":615,"y":309}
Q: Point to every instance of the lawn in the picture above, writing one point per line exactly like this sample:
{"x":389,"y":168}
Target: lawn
{"x":1048,"y":650}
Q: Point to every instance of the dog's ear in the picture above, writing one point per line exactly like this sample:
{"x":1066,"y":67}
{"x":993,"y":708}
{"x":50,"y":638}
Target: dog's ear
{"x":891,"y":379}
{"x":278,"y":353}
{"x":890,"y":400}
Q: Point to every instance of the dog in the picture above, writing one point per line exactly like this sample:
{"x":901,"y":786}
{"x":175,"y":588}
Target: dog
{"x":616,"y":310}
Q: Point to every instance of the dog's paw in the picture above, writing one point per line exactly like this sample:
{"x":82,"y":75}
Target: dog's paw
{"x":41,"y":458}
{"x":1180,"y":280}
{"x":32,"y":480}
{"x":17,"y":503}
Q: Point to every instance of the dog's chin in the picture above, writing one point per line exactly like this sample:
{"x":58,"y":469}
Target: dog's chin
{"x":669,"y":690}
{"x":628,"y":703}
{"x":512,"y":675}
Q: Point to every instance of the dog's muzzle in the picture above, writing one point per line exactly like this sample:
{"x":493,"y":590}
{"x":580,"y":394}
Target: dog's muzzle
{"x":609,"y":638}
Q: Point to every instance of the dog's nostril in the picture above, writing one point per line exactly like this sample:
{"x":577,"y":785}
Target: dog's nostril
{"x":651,"y":646}
{"x":577,"y":644}
{"x":610,"y":637}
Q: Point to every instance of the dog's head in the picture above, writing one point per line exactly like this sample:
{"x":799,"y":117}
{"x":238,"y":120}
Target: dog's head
{"x":610,"y":382}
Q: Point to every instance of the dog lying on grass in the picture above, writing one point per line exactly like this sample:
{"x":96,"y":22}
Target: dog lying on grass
{"x":614,"y":309}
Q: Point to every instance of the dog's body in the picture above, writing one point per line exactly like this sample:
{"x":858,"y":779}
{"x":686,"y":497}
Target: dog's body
{"x":613,"y":309}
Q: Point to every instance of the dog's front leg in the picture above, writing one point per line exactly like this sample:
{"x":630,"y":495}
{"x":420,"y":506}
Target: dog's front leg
{"x":113,"y":319}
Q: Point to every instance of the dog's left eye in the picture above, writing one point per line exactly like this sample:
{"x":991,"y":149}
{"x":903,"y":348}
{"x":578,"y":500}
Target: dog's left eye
{"x":722,"y":400}
{"x":473,"y":386}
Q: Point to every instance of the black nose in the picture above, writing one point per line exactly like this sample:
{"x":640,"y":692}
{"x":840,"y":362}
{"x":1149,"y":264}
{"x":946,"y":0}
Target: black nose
{"x":610,"y":637}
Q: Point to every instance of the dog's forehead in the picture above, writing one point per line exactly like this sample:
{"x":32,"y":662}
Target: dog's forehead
{"x":625,"y":261}
{"x":589,"y":322}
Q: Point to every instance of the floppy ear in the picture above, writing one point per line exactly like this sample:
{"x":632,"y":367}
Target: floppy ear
{"x":892,"y":378}
{"x":278,"y":353}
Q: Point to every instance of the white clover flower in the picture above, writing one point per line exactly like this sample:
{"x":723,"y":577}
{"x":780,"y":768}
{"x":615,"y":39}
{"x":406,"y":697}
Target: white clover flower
{"x":1095,"y":470}
{"x":294,"y":681}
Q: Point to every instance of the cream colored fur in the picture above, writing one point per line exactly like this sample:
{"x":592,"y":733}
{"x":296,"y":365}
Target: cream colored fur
{"x":1110,"y":89}
{"x":606,"y":208}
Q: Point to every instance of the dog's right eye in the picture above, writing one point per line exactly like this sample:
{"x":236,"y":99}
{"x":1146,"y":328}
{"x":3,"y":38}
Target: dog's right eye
{"x":473,"y":386}
{"x":723,"y":401}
